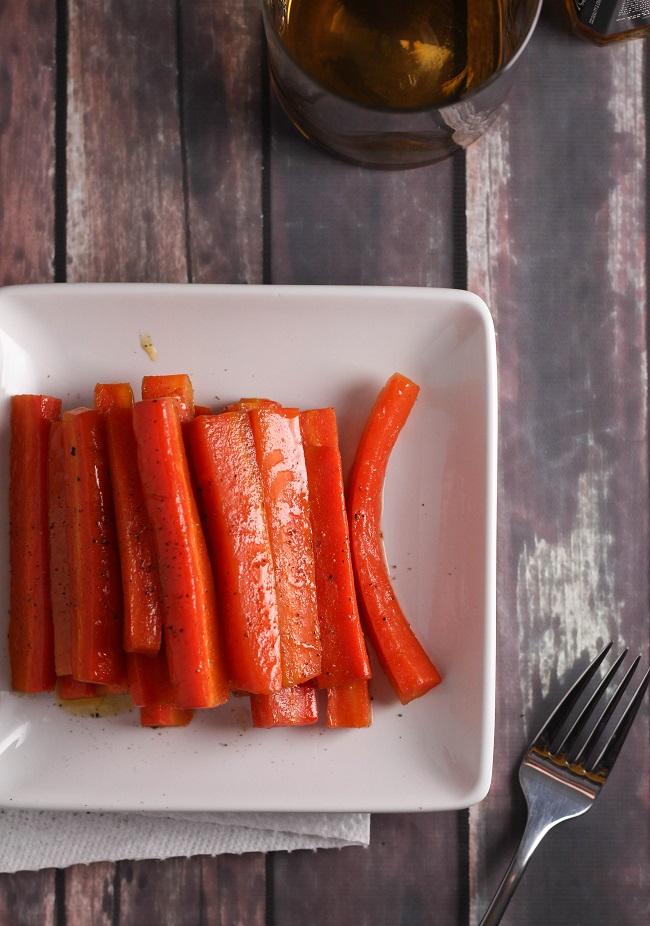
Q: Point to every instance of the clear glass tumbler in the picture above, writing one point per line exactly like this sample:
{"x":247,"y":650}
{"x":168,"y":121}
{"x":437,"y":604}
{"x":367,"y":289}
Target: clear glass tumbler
{"x":395,"y":84}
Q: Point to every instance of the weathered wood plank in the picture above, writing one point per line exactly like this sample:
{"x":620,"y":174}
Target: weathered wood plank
{"x":556,"y":219}
{"x":126,"y":211}
{"x":221,"y":60}
{"x":27,"y":113}
{"x":407,"y":875}
{"x":222,"y":891}
{"x":336,"y":223}
{"x":90,"y":896}
{"x":28,"y":898}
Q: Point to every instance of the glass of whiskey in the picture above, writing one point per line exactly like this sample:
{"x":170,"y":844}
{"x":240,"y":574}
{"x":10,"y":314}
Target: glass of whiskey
{"x":395,"y":84}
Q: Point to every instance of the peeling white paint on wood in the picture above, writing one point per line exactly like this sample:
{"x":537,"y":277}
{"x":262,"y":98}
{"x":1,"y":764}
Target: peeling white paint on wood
{"x":626,"y":222}
{"x":566,"y":589}
{"x":488,"y":248}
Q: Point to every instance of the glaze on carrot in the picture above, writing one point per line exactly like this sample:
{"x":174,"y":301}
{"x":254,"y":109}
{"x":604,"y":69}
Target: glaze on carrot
{"x":281,"y":461}
{"x":95,"y":581}
{"x":343,"y":647}
{"x":177,"y":385}
{"x":59,"y":560}
{"x":140,"y":584}
{"x":289,"y":707}
{"x":112,"y":395}
{"x":31,"y":632}
{"x":222,"y":451}
{"x":149,"y":679}
{"x":165,"y":715}
{"x":349,"y":705}
{"x":190,"y":626}
{"x":69,"y":689}
{"x":408,"y":667}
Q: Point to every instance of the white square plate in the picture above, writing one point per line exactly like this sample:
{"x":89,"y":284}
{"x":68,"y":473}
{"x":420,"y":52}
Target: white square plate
{"x":306,"y":346}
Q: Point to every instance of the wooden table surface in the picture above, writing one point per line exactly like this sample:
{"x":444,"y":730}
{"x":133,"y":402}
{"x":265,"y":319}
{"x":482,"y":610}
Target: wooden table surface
{"x":139,"y":142}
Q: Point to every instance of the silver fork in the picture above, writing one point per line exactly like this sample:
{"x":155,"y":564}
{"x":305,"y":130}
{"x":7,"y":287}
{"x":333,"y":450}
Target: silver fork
{"x":563,"y":773}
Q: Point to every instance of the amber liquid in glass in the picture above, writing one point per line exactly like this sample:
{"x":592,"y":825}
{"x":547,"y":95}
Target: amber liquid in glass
{"x":396,"y":53}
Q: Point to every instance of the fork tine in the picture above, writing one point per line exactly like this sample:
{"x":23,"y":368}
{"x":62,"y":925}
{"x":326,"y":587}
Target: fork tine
{"x":605,"y":761}
{"x":597,"y":731}
{"x":578,"y":726}
{"x":554,"y":723}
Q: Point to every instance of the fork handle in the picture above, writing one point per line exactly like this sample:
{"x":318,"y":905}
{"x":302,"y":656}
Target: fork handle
{"x":532,"y":836}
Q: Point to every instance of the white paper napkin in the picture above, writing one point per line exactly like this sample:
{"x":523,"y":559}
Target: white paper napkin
{"x":35,"y":839}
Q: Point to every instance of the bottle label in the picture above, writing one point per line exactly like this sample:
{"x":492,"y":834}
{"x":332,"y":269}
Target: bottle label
{"x":611,"y":16}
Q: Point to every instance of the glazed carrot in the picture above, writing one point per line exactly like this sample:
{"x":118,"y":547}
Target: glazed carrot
{"x":349,"y":705}
{"x":95,"y":582}
{"x":245,"y":404}
{"x":113,"y":395}
{"x":120,"y":689}
{"x":190,"y":629}
{"x":176,"y":384}
{"x":165,"y":715}
{"x":69,"y":689}
{"x":401,"y":655}
{"x":222,"y":451}
{"x":281,"y":461}
{"x":289,"y":707}
{"x":149,"y":679}
{"x":344,"y":653}
{"x":31,"y":633}
{"x":202,"y":410}
{"x":59,"y":563}
{"x":140,"y":584}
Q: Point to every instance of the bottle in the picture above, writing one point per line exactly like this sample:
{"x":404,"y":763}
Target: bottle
{"x":607,"y":21}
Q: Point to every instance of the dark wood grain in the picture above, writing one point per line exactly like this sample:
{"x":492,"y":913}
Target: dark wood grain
{"x":335,"y":223}
{"x":407,"y":875}
{"x":567,"y":290}
{"x":89,"y":895}
{"x":222,"y":83}
{"x":126,"y":209}
{"x":27,"y":898}
{"x":180,"y":892}
{"x":27,"y":151}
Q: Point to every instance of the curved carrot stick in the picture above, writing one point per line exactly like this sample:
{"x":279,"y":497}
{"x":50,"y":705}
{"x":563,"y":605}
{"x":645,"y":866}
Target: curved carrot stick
{"x":400,"y":653}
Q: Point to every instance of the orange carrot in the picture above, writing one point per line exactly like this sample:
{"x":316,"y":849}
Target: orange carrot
{"x":31,"y":632}
{"x":149,"y":679}
{"x":190,"y":629}
{"x":349,"y":705}
{"x":141,"y":588}
{"x":344,"y":653}
{"x":113,"y":395}
{"x":175,"y":384}
{"x":289,"y":707}
{"x":249,"y":404}
{"x":95,"y":582}
{"x":281,"y":462}
{"x":69,"y":689}
{"x":401,"y":655}
{"x":223,"y":456}
{"x":164,"y":715}
{"x":59,"y":562}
